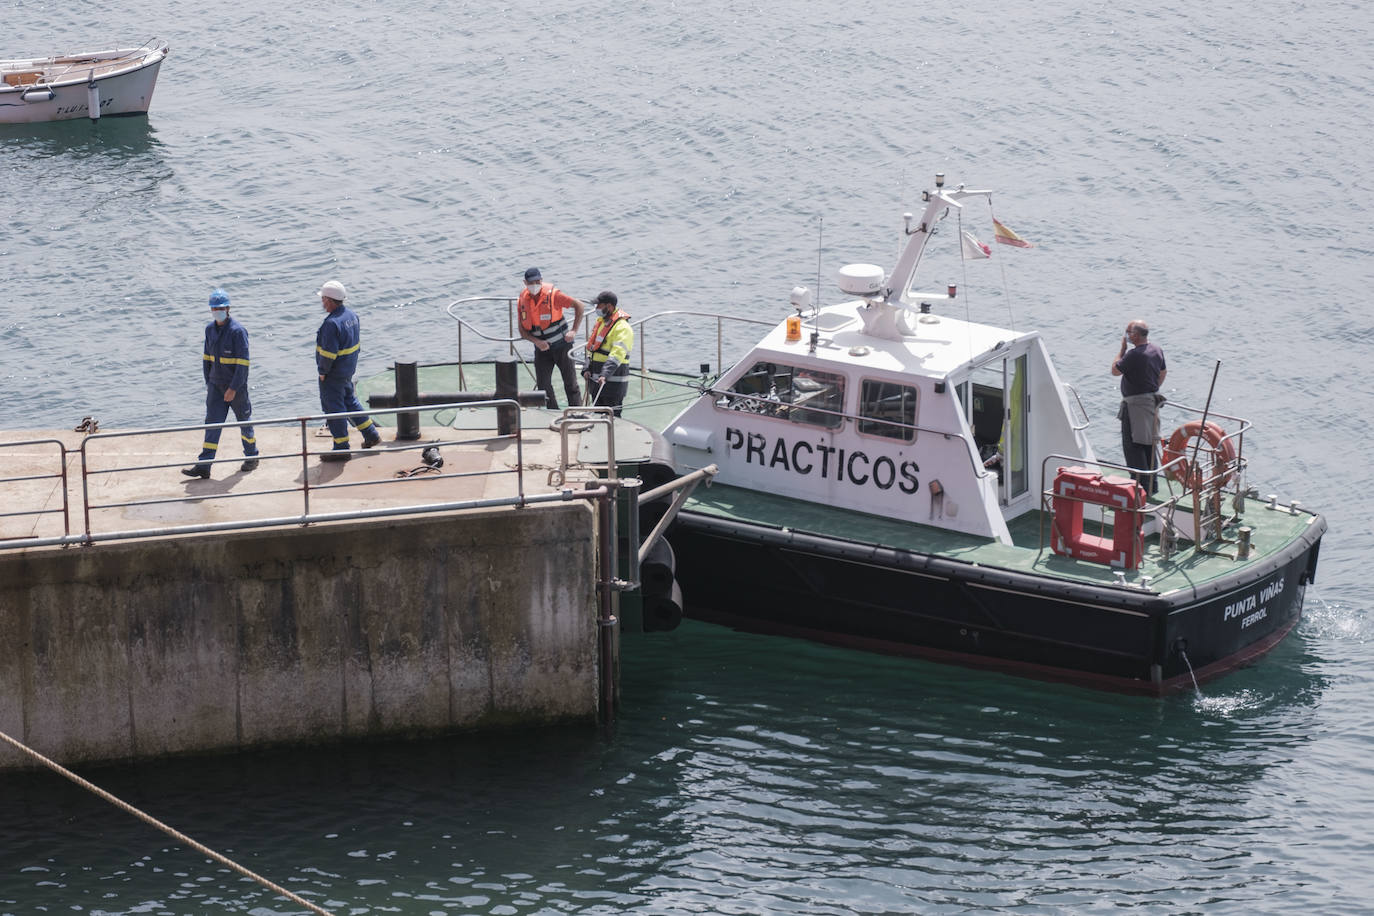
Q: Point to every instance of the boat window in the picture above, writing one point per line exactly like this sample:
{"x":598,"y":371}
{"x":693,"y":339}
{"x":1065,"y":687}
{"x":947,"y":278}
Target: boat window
{"x":887,"y":409}
{"x":788,"y":392}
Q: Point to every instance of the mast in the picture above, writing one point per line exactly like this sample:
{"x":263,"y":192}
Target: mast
{"x":899,"y":281}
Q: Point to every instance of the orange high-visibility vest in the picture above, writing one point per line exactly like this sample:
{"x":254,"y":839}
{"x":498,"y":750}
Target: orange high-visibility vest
{"x":542,"y":314}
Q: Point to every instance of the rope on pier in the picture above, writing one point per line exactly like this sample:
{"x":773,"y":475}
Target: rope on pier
{"x":152,"y":821}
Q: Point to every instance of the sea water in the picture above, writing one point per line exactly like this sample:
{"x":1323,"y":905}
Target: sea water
{"x":1203,"y":168}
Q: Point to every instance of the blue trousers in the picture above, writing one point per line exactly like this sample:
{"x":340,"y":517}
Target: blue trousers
{"x":339,"y":397}
{"x":216,"y":410}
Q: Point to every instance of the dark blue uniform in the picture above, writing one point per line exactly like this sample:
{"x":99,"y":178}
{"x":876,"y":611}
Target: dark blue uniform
{"x":225,"y":365}
{"x":336,"y":358}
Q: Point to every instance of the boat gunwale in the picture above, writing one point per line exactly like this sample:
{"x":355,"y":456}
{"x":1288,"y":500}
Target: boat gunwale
{"x":83,"y":69}
{"x":1108,"y":595}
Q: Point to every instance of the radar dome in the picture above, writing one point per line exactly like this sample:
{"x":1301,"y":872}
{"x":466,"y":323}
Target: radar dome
{"x":861,"y":279}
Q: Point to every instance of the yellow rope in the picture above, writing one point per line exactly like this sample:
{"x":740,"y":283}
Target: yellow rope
{"x":174,"y":834}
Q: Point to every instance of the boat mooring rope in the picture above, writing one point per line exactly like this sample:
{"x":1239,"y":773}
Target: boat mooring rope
{"x":152,"y":821}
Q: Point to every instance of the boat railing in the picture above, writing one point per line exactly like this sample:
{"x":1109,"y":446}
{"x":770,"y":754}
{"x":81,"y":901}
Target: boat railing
{"x":29,"y":497}
{"x":1137,"y":516}
{"x":1236,"y":438}
{"x":1177,"y":468}
{"x":644,"y":339}
{"x":66,"y":70}
{"x":1201,"y":483}
{"x":509,"y":339}
{"x":691,"y":315}
{"x":1077,"y":402}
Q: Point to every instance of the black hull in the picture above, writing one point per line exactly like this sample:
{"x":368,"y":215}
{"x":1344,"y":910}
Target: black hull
{"x":899,"y":602}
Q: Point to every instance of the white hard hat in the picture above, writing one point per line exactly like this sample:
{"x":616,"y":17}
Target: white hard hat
{"x":334,"y":290}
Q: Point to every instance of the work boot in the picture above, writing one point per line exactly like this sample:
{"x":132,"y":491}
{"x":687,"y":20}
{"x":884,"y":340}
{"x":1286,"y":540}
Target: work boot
{"x":197,"y":470}
{"x":249,"y":464}
{"x":373,"y":442}
{"x":339,"y":455}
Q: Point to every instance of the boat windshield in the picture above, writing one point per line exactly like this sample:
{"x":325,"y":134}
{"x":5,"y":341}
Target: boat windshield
{"x":797,"y":394}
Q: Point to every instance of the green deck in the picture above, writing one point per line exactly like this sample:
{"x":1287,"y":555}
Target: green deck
{"x":1272,"y":530}
{"x":654,"y":399}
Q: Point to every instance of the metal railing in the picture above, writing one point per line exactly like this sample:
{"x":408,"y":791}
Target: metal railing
{"x":643,"y":338}
{"x":1082,"y":411}
{"x":1195,"y":481}
{"x":95,"y":465}
{"x":642,"y":332}
{"x":1203,"y":413}
{"x":509,"y":340}
{"x":581,"y":419}
{"x":59,"y":476}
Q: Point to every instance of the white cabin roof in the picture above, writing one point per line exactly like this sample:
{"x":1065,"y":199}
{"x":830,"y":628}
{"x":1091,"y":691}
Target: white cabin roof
{"x":939,"y":347}
{"x":957,"y":446}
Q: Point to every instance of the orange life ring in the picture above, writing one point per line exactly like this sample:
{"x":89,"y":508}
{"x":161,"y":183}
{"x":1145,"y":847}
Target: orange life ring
{"x":1223,"y":453}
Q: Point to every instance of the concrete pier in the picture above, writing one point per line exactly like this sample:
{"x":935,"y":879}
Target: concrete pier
{"x":362,"y":628}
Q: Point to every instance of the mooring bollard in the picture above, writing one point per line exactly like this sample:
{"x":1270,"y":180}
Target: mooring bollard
{"x":407,"y":395}
{"x":507,"y":386}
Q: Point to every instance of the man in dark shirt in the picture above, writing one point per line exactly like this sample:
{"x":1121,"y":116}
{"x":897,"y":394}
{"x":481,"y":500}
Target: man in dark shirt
{"x":1142,"y":372}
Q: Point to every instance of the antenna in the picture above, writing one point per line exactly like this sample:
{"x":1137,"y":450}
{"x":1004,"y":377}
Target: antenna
{"x":820,"y":236}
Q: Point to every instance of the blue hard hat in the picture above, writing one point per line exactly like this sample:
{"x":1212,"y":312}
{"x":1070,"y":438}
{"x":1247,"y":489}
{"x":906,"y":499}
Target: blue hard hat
{"x":219,"y":299}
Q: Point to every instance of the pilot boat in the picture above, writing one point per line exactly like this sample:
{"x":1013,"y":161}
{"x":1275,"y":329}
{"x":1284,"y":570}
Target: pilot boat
{"x":895,"y":478}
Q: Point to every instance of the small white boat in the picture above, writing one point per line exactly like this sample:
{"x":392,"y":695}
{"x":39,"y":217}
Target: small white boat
{"x":87,"y":85}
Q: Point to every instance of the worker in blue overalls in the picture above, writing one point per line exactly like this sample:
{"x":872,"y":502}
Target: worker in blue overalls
{"x":225,"y":365}
{"x":336,"y":358}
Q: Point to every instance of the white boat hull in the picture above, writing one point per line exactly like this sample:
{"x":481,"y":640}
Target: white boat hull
{"x":118,"y":82}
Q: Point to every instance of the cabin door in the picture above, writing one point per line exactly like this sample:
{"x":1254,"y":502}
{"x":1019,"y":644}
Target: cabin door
{"x":997,"y":409}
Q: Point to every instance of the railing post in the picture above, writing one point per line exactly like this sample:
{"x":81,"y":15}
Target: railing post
{"x":305,"y":471}
{"x":66,"y":497}
{"x":720,"y":346}
{"x":85,"y":491}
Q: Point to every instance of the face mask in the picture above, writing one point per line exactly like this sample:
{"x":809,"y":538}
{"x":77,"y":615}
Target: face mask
{"x":533,"y":288}
{"x":219,"y":315}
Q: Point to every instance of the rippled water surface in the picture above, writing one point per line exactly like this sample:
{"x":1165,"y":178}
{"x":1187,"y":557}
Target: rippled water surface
{"x":1205,"y":168}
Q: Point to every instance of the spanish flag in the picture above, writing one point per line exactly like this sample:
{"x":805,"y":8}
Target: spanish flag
{"x":1007,"y":237}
